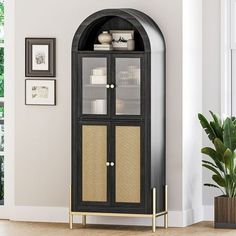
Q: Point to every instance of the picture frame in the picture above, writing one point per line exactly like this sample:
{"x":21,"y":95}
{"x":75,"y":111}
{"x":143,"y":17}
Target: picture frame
{"x":40,"y":57}
{"x":120,"y":38}
{"x":40,"y":92}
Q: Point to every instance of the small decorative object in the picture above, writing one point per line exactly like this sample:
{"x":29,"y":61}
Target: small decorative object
{"x":99,"y":106}
{"x":120,"y":39}
{"x":130,"y":44}
{"x":40,"y":56}
{"x":98,"y":76}
{"x":104,"y":38}
{"x":222,"y":165}
{"x":40,"y":92}
{"x":119,"y":106}
{"x":102,"y":47}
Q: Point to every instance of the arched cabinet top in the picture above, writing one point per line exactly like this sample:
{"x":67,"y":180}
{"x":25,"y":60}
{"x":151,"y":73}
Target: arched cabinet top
{"x":147,"y":34}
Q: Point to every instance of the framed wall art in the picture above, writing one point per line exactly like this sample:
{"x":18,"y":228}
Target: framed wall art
{"x":40,"y":57}
{"x":120,"y":38}
{"x":40,"y":92}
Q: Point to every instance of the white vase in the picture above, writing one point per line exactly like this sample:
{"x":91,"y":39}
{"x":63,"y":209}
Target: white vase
{"x":104,"y":38}
{"x":130,"y":44}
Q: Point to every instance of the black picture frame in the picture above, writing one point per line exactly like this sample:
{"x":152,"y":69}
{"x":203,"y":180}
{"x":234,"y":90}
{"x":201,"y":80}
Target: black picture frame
{"x":40,"y":62}
{"x":51,"y":101}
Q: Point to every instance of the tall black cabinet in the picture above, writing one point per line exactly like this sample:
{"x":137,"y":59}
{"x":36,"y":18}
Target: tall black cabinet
{"x":118,"y":120}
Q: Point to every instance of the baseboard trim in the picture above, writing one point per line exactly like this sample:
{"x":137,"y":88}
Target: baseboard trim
{"x":60,"y":215}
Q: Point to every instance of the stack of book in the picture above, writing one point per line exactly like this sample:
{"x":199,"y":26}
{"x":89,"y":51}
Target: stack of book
{"x":102,"y":47}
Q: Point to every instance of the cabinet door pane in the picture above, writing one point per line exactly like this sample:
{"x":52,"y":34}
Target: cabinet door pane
{"x":127,"y":164}
{"x":128,"y":80}
{"x":94,"y":85}
{"x":94,"y":157}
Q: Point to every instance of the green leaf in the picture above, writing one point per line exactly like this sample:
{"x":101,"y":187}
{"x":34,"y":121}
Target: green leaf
{"x":229,"y":135}
{"x":220,"y":147}
{"x":217,"y":126}
{"x":209,"y":163}
{"x":207,"y":127}
{"x":217,"y":129}
{"x":212,"y":169}
{"x":219,"y":180}
{"x":228,"y":158}
{"x":217,"y":158}
{"x":214,"y":186}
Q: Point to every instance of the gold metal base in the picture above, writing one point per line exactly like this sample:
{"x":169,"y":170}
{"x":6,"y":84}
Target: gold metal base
{"x":154,"y":215}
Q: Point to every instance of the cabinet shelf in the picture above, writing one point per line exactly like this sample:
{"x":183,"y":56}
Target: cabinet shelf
{"x":110,"y":52}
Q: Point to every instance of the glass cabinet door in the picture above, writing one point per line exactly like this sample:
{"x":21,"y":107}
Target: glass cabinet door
{"x":128,"y":84}
{"x":94,"y":80}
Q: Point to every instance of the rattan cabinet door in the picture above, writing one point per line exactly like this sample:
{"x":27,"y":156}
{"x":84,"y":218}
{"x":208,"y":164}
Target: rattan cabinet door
{"x":94,"y":158}
{"x":127,"y":164}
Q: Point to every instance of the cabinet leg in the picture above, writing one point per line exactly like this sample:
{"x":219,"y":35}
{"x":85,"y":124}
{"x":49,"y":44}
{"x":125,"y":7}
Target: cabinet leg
{"x":83,"y":220}
{"x":71,"y":220}
{"x":153,"y":224}
{"x":166,"y":220}
{"x":154,"y":210}
{"x":166,"y":208}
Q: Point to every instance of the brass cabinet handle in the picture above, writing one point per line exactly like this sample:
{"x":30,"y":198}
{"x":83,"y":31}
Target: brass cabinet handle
{"x":112,"y":163}
{"x":108,"y":163}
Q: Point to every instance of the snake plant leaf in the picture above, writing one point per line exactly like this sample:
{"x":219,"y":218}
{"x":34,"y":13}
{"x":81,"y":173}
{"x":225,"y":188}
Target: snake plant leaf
{"x":229,"y":135}
{"x":219,"y":180}
{"x":220,"y":147}
{"x":207,"y":127}
{"x":213,"y":169}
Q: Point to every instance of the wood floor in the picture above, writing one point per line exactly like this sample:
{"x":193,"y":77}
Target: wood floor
{"x":10,"y":228}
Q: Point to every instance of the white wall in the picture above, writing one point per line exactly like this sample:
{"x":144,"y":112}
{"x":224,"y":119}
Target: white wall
{"x":192,"y":105}
{"x":211,"y":76}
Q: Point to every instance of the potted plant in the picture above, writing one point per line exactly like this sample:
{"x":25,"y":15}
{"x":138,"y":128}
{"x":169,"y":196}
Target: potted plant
{"x":223,"y":166}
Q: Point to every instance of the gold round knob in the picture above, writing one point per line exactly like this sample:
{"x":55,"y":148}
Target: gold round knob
{"x":107,"y":164}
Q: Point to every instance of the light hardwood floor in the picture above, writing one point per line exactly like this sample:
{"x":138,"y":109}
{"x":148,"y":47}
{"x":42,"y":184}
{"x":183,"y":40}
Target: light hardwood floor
{"x":10,"y":228}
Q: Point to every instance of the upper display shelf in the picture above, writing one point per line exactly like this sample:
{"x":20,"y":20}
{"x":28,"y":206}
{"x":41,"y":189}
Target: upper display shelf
{"x":111,"y":33}
{"x":118,"y":30}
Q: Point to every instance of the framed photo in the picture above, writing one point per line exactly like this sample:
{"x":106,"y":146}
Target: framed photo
{"x":120,"y":38}
{"x":40,"y":57}
{"x":40,"y":92}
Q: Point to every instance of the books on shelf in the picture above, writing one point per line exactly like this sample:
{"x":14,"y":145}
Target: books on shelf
{"x":102,"y":47}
